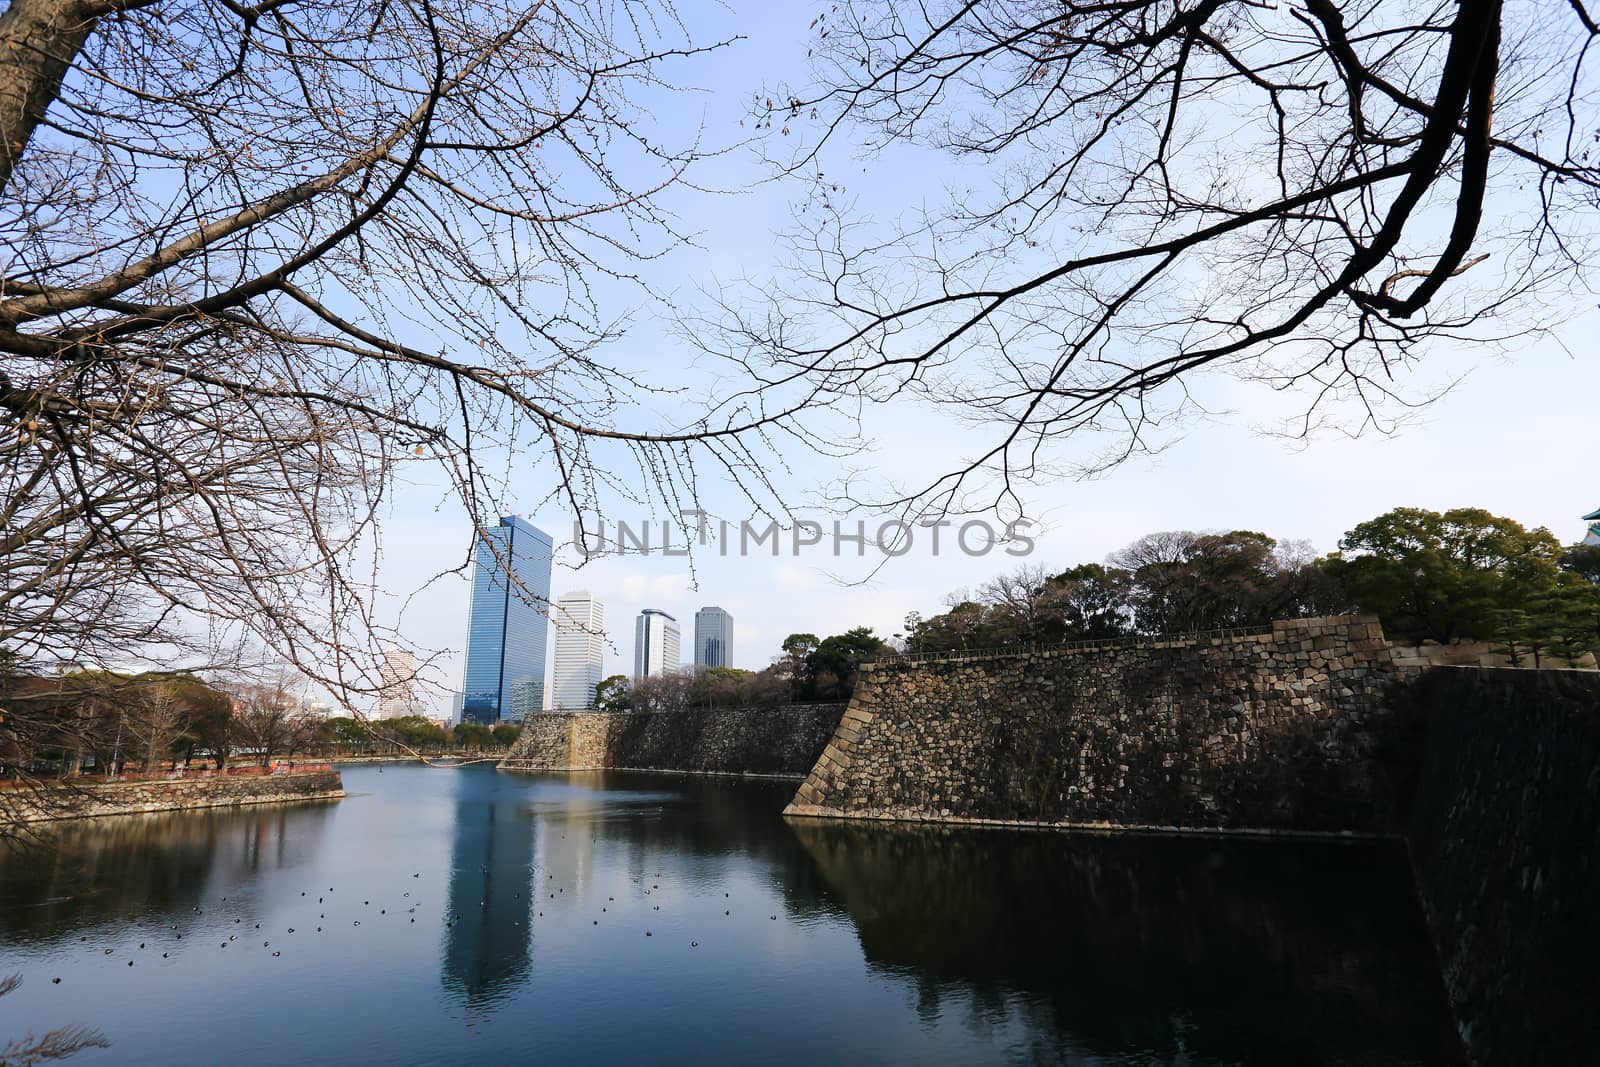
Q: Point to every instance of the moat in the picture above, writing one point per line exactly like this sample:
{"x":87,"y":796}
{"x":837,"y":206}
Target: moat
{"x":464,"y":915}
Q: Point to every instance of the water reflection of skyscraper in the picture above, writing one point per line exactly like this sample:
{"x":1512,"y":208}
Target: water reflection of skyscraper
{"x":566,"y":846}
{"x":487,"y":949}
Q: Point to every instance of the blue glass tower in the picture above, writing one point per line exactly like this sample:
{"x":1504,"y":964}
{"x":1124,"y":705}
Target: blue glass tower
{"x":713,"y":638}
{"x":506,"y":625}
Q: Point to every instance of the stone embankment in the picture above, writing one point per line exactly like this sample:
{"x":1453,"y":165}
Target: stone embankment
{"x":1490,"y":775}
{"x":1286,"y":729}
{"x":1504,"y":838}
{"x":780,"y":741}
{"x":86,"y":798}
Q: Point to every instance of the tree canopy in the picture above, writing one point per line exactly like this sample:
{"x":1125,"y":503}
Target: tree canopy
{"x":1468,"y":574}
{"x":1463,"y":574}
{"x":1176,"y":581}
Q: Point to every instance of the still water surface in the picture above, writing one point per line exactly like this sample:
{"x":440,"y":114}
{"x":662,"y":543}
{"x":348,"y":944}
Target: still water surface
{"x":469,"y":916}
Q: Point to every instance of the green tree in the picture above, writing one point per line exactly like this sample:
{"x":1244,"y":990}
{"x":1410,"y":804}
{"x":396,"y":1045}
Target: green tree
{"x":967,"y":624}
{"x":801,"y":645}
{"x":1580,"y":569}
{"x":1183,"y":581}
{"x":473,"y":736}
{"x":611,"y":694}
{"x":414,"y":732}
{"x":211,"y":722}
{"x":1459,"y":574}
{"x":1584,"y":561}
{"x":346,"y":734}
{"x":831,"y":667}
{"x":1091,"y":602}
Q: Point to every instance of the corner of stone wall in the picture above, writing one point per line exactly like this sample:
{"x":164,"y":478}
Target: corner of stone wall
{"x":813,"y":795}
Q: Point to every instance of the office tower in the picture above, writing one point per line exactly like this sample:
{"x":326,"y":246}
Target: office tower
{"x":397,"y":677}
{"x":507,"y":627}
{"x":655,"y":644}
{"x":580,"y":650}
{"x":713,"y":638}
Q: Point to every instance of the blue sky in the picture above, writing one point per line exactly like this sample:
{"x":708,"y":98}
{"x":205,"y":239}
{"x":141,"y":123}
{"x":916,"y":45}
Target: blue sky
{"x":1514,"y":434}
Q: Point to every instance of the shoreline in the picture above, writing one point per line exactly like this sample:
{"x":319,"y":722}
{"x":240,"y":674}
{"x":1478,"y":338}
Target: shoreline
{"x":90,"y":800}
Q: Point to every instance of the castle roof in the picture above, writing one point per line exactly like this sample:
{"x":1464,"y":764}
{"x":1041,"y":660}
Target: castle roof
{"x":1592,"y":516}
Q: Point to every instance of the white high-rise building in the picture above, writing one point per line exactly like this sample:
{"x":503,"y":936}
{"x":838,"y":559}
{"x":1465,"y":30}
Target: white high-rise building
{"x":655,"y":644}
{"x":580,"y":650}
{"x":713,"y":638}
{"x":397,"y":678}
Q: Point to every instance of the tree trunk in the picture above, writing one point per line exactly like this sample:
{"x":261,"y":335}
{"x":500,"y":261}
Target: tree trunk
{"x":38,"y":41}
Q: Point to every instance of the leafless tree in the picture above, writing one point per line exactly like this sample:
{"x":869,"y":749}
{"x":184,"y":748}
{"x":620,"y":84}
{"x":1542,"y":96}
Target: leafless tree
{"x":268,"y":712}
{"x":154,"y":721}
{"x":661,"y":692}
{"x":1164,"y":547}
{"x":1305,"y":193}
{"x":260,"y":255}
{"x":304,"y":731}
{"x":1020,"y":595}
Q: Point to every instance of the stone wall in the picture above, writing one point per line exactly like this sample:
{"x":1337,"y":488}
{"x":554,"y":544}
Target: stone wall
{"x":1283,"y":730}
{"x":783,"y":740}
{"x":1505,"y":846}
{"x":128,"y":798}
{"x":1475,"y":654}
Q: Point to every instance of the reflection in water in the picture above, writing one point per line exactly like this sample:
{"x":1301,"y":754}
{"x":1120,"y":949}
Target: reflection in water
{"x":1228,"y":951}
{"x":487,"y":932}
{"x":88,"y":872}
{"x":706,"y":823}
{"x":440,"y":917}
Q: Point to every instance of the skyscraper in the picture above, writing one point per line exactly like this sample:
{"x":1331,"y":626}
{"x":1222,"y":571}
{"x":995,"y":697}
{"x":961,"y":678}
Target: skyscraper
{"x":713,"y":638}
{"x":655,"y":644}
{"x":507,"y":627}
{"x":580,"y":650}
{"x":397,"y":678}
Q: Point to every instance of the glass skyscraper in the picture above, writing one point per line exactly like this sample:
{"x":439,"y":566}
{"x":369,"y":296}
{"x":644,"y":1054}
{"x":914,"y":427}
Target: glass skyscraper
{"x":506,"y":626}
{"x":713,"y":638}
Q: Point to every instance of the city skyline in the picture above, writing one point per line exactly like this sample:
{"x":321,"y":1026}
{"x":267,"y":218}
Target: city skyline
{"x":547,"y":686}
{"x":507,"y":630}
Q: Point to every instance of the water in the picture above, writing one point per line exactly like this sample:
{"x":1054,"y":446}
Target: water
{"x":768,"y":941}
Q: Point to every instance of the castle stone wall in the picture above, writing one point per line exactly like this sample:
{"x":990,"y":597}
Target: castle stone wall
{"x":1505,"y":846}
{"x":784,"y":740}
{"x":1286,"y":730}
